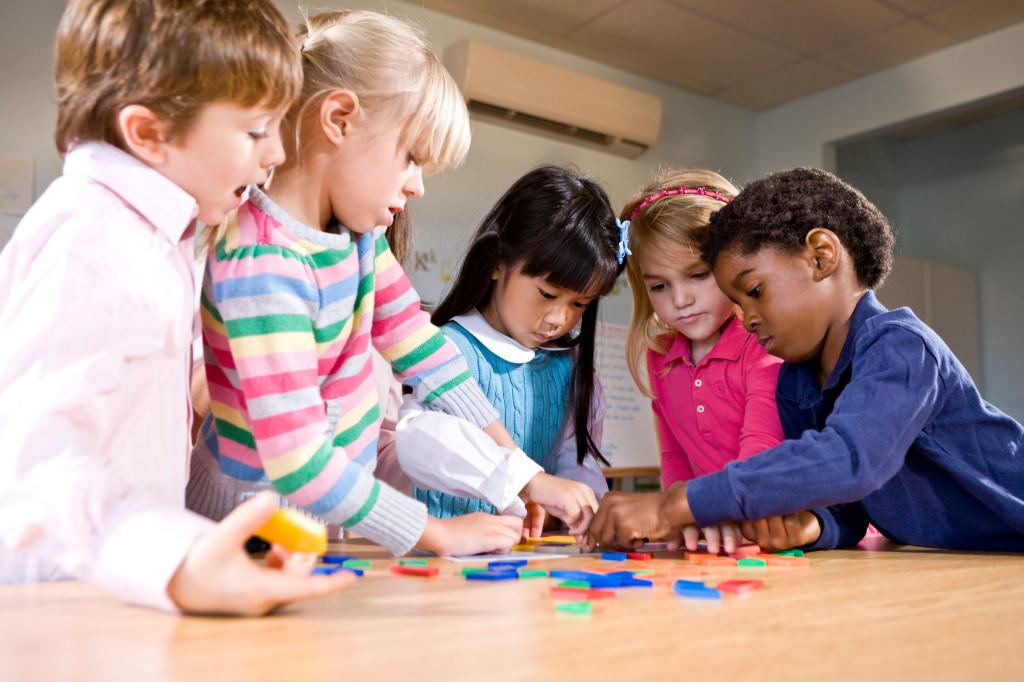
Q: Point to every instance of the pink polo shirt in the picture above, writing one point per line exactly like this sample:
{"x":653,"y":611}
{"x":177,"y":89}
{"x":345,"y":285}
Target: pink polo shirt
{"x":717,"y":411}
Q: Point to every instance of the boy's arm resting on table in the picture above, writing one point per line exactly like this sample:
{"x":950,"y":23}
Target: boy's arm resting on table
{"x":842,"y":525}
{"x":814,"y":470}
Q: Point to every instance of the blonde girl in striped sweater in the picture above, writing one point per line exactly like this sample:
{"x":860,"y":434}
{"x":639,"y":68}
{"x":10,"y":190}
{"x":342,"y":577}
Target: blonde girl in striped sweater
{"x":300,"y":283}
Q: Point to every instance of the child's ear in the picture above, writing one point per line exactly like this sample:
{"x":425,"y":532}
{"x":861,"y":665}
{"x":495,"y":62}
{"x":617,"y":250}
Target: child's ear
{"x":338,"y":111}
{"x":823,"y":251}
{"x":145,"y":133}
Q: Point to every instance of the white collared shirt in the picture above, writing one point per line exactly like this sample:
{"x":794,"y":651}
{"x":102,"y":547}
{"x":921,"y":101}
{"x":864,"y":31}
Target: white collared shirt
{"x":97,"y":318}
{"x":441,"y":452}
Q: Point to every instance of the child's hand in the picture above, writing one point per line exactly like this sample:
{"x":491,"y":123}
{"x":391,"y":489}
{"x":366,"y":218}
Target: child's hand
{"x":217,"y":575}
{"x":625,"y":520}
{"x":533,"y":524}
{"x":725,"y":536}
{"x":477,"y":533}
{"x":571,"y":501}
{"x":783,"y":532}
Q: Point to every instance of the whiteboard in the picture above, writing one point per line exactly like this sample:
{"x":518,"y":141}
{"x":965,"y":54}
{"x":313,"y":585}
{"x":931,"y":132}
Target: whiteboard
{"x":629,"y":435}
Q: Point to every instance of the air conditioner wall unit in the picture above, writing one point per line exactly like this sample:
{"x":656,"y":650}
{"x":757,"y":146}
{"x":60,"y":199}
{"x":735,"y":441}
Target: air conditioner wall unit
{"x":528,"y":94}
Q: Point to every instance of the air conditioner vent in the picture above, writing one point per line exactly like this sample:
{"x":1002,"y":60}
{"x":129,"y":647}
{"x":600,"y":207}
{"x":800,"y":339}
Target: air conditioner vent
{"x":537,"y":97}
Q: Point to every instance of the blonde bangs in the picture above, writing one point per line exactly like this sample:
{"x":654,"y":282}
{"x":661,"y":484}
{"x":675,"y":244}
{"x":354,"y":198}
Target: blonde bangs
{"x":439,"y":134}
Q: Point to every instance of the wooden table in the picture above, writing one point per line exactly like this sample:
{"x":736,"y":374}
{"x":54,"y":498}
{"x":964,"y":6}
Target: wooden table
{"x":876,"y":612}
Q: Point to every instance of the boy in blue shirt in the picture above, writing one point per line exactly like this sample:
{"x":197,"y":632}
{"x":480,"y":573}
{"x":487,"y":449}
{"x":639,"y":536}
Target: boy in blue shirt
{"x":885,"y":426}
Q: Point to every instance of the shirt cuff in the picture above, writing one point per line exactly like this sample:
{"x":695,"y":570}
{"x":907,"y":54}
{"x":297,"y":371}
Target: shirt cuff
{"x":142,"y":556}
{"x":396,"y":521}
{"x":711,"y":500}
{"x":521,"y":470}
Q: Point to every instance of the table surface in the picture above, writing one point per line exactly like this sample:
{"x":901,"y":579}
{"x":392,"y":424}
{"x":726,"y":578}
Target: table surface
{"x":878,"y":611}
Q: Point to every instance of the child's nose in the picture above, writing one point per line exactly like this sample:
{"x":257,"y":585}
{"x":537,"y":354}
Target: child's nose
{"x":414,"y":185}
{"x":750,"y":322}
{"x":274,"y":155}
{"x":682,"y":296}
{"x":556,"y":316}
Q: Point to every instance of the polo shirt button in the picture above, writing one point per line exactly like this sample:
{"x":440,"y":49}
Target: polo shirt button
{"x":707,"y":435}
{"x":700,"y":408}
{"x":697,"y":383}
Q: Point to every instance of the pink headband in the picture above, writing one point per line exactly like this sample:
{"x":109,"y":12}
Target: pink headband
{"x":682,"y":190}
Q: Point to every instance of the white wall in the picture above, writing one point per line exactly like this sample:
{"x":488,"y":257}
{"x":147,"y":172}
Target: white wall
{"x":956,"y":197}
{"x":27,"y":113}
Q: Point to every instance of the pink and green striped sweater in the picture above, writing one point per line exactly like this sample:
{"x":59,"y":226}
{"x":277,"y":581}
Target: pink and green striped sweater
{"x":289,"y":313}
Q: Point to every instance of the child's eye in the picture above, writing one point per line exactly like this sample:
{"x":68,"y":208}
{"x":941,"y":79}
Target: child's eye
{"x":546,"y":294}
{"x":411,"y":158}
{"x":755,"y":292}
{"x":702,"y":275}
{"x":258,"y":134}
{"x":580,"y":306}
{"x":656,"y":287}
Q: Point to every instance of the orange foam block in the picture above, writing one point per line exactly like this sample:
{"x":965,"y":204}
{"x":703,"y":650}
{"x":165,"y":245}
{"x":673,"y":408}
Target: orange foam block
{"x":712,"y":560}
{"x":740,"y":586}
{"x":425,"y":571}
{"x":746,"y":551}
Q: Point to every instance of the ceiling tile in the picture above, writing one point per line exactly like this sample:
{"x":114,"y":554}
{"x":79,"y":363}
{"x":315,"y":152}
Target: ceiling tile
{"x":788,"y":83}
{"x":721,"y":48}
{"x":972,"y":18}
{"x":675,"y":41}
{"x":528,"y":18}
{"x":919,"y":6}
{"x":807,"y":26}
{"x":889,"y":47}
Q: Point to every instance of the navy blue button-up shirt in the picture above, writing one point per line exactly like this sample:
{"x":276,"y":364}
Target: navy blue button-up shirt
{"x":898,"y":437}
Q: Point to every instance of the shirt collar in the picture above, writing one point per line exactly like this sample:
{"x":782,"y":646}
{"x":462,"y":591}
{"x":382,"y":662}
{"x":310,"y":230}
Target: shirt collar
{"x":728,"y":347}
{"x":166,"y":206}
{"x":867,"y":307}
{"x":505,"y":347}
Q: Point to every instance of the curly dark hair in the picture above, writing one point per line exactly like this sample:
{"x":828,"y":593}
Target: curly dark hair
{"x":782,"y":208}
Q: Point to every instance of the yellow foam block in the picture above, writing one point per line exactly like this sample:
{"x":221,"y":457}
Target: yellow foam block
{"x":295,"y":531}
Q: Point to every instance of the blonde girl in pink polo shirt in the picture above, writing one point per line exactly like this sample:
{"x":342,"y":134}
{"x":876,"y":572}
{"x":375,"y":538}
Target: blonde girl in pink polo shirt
{"x":712,"y":386}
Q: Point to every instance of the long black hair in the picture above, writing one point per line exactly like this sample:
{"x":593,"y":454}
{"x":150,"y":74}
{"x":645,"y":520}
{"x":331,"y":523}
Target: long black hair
{"x":556,"y":224}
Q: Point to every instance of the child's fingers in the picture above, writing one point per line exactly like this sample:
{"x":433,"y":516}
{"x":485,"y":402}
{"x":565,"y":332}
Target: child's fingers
{"x":730,"y":537}
{"x":713,"y":537}
{"x":585,"y":517}
{"x":691,"y":536}
{"x":277,"y":588}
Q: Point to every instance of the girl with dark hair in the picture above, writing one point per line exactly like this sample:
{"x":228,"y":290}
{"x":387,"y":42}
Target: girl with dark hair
{"x":523,"y":311}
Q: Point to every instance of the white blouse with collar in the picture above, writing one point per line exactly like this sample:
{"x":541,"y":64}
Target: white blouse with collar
{"x":446,"y":453}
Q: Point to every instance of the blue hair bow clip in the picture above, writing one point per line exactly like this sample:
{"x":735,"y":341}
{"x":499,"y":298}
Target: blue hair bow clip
{"x":623,"y":240}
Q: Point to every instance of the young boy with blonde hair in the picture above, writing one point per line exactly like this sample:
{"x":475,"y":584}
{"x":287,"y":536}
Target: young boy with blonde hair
{"x":166,"y":110}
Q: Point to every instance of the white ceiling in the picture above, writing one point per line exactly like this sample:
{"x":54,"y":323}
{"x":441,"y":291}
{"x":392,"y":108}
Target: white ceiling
{"x":753,"y":53}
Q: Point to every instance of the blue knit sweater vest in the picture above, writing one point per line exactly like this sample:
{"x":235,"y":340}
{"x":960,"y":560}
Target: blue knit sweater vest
{"x":531,"y":400}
